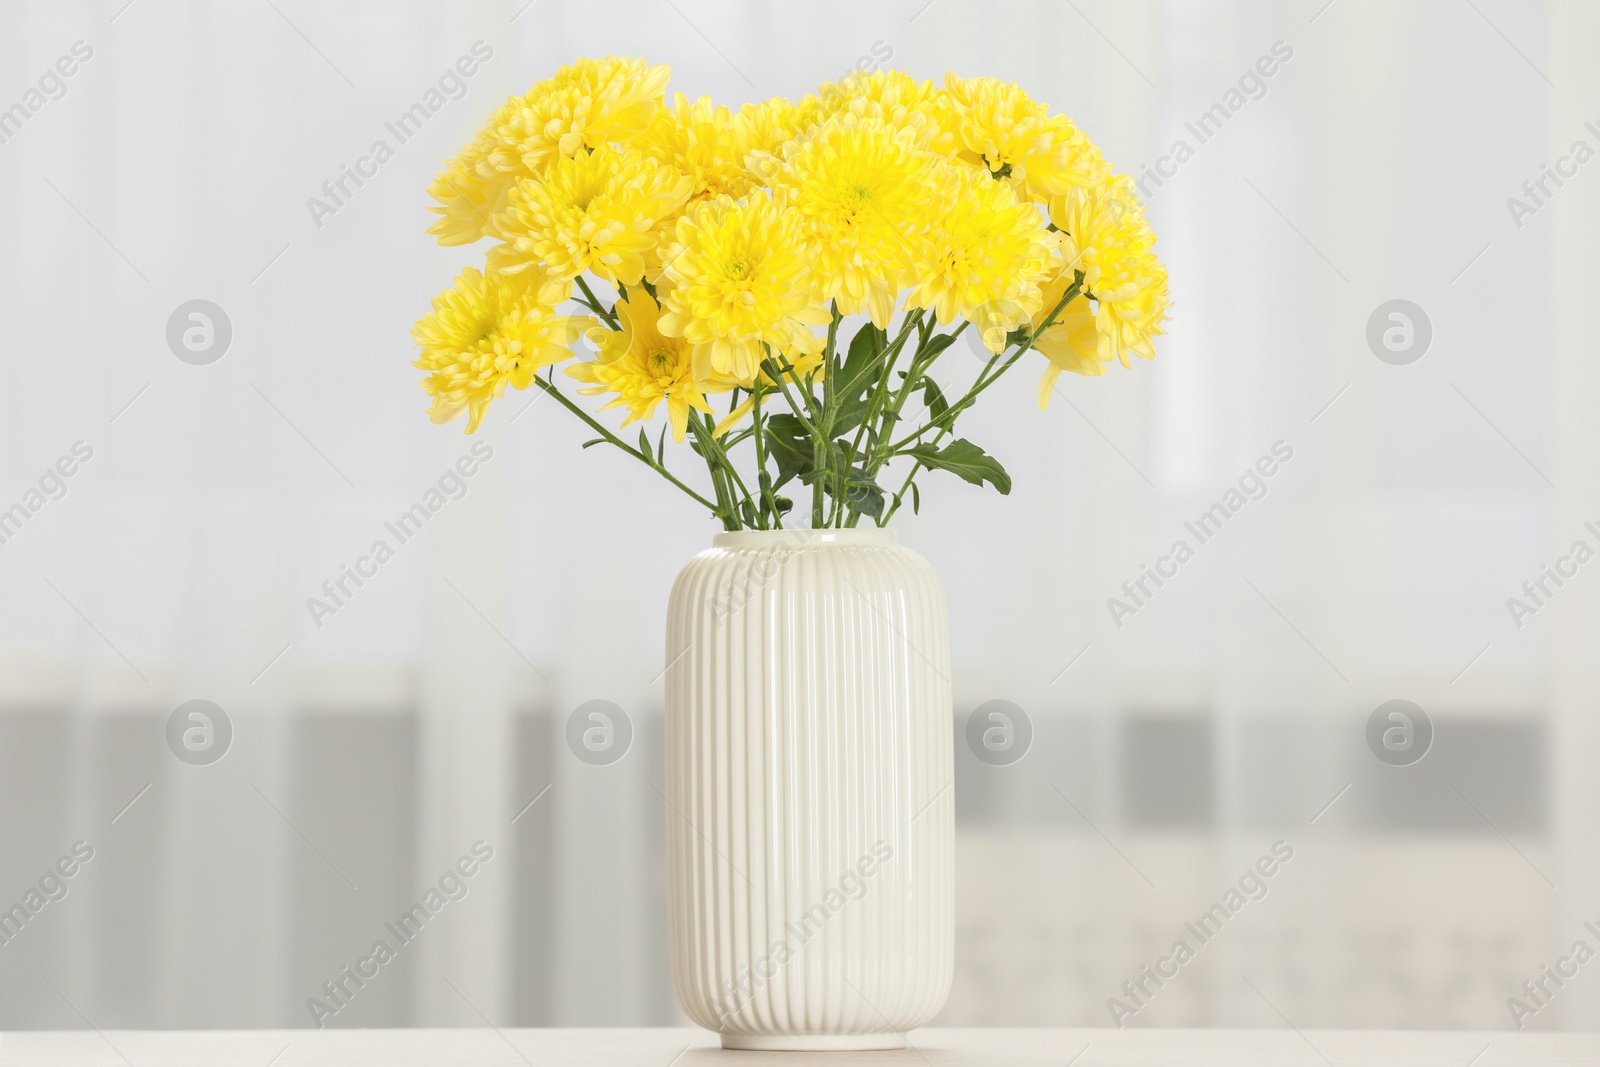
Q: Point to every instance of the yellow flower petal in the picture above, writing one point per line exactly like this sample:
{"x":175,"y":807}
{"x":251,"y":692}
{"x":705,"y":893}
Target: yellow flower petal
{"x":486,"y":332}
{"x":643,"y":366}
{"x":737,"y":277}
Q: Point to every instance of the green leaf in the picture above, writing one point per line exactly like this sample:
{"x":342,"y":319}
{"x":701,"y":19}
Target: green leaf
{"x":829,"y":473}
{"x":790,"y":445}
{"x":644,"y":445}
{"x":934,"y":398}
{"x":861,"y":363}
{"x":863,"y":494}
{"x":916,"y":499}
{"x":936,"y":344}
{"x":596,"y":441}
{"x":965,"y":459}
{"x":661,"y":442}
{"x":853,"y":385}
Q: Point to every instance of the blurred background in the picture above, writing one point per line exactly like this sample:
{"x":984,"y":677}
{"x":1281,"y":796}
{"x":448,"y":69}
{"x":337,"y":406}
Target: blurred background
{"x":1172,"y":744}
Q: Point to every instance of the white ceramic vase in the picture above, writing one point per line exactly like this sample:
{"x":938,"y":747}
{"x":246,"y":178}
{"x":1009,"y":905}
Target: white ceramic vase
{"x":809,"y":773}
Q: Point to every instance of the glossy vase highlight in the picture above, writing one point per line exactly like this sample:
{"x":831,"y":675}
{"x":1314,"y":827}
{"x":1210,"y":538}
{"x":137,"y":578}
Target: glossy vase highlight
{"x":809,"y":790}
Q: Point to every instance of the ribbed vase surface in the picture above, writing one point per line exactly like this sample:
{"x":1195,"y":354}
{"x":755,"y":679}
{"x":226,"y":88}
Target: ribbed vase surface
{"x":810,"y":821}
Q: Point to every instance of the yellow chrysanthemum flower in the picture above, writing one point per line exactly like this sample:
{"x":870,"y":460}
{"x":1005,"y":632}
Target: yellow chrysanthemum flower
{"x":485,"y":332}
{"x":891,"y":96}
{"x":701,"y":140}
{"x":737,"y":277}
{"x":1106,"y":236}
{"x":730,"y":232}
{"x":984,"y":259}
{"x":867,"y":195}
{"x":468,"y":191}
{"x":995,"y":125}
{"x":643,"y":366}
{"x":769,"y":125}
{"x":767,"y":132}
{"x":587,"y":104}
{"x":1071,"y":343}
{"x":596,"y":212}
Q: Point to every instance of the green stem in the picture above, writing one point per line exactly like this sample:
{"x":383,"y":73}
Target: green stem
{"x":611,"y":438}
{"x":882,"y":388}
{"x":708,"y":440}
{"x":825,"y":422}
{"x":816,"y":438}
{"x":947,"y":421}
{"x":819,"y":441}
{"x":595,"y":305}
{"x":985,"y":379}
{"x":763,"y":481}
{"x":805,"y":393}
{"x":914,"y":374}
{"x":829,"y":365}
{"x":715,"y":466}
{"x":719,"y":482}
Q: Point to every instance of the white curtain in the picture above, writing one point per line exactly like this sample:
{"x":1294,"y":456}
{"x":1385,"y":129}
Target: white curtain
{"x":374,"y":745}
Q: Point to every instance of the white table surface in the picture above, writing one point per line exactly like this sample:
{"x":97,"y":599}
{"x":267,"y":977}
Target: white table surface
{"x":697,"y":1048}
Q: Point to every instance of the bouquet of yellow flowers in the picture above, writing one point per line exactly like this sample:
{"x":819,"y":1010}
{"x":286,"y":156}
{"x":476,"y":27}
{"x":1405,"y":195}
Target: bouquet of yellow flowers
{"x":713,"y":258}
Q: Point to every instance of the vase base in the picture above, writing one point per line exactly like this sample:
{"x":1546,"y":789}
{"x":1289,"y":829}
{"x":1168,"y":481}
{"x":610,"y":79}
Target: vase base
{"x":813,"y":1042}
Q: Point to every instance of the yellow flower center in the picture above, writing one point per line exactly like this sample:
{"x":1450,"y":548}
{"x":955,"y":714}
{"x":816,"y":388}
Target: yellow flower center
{"x":488,"y":331}
{"x":738,"y":268}
{"x":581,"y":189}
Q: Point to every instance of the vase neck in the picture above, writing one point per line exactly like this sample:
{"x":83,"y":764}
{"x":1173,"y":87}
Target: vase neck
{"x":796,"y":540}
